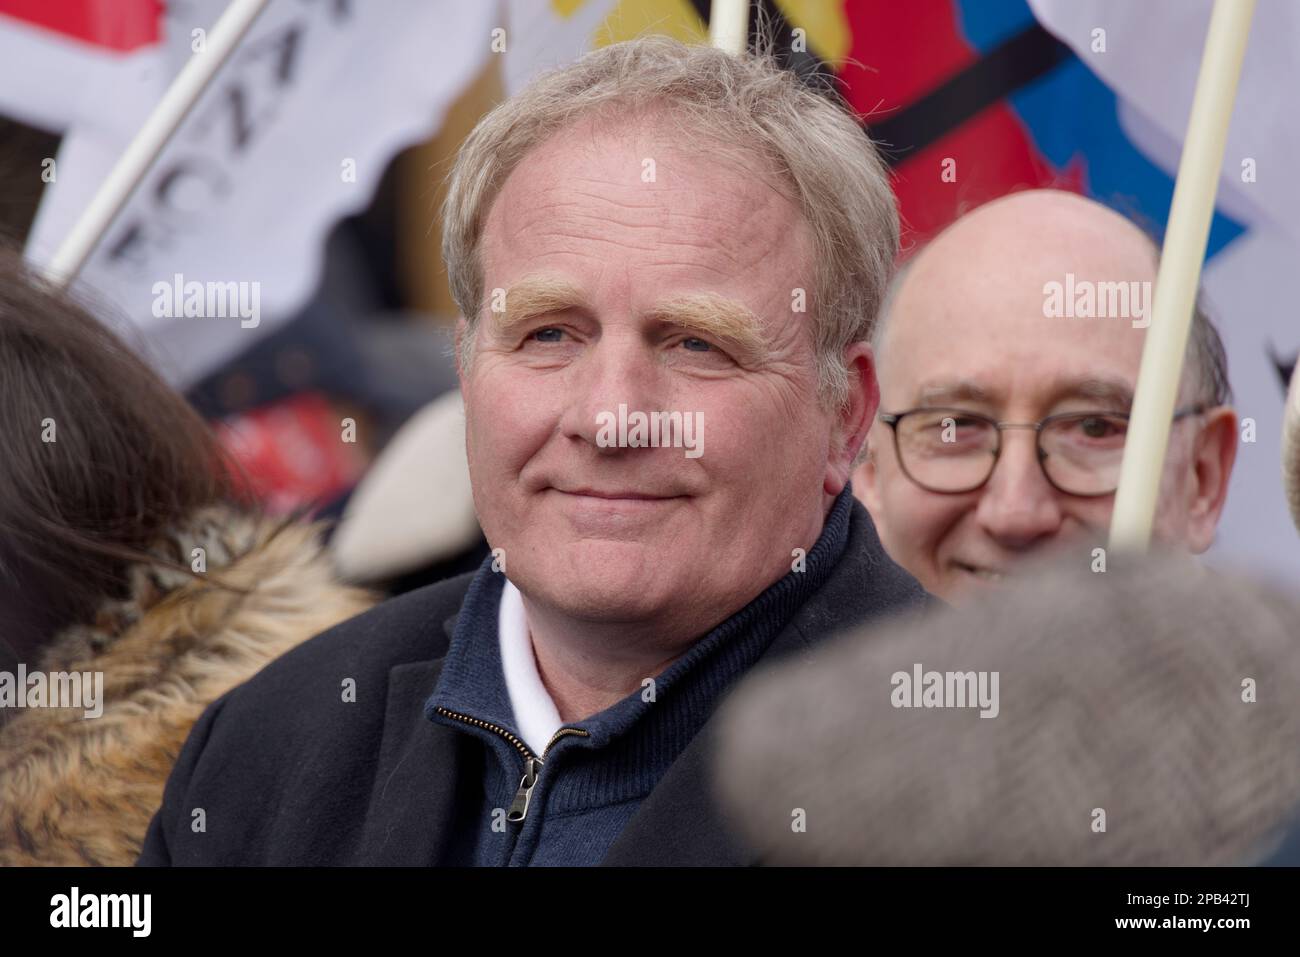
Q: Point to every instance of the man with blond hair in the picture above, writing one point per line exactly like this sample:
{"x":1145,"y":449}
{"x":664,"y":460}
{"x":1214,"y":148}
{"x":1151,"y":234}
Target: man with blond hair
{"x":669,"y":261}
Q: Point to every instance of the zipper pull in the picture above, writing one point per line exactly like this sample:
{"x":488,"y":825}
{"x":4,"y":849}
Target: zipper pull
{"x":519,"y":806}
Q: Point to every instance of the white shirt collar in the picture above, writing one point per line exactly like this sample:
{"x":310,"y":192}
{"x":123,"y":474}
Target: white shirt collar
{"x":535,"y":712}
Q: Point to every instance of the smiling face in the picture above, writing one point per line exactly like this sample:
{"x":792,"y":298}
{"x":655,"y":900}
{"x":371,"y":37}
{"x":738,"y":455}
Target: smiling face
{"x":667,"y":295}
{"x":967,"y":329}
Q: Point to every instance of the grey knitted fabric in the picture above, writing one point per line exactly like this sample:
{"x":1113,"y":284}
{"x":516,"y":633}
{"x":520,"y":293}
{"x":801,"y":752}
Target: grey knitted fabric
{"x":1120,"y":691}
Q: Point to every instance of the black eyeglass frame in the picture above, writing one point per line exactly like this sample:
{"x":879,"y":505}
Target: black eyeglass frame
{"x":892,"y":419}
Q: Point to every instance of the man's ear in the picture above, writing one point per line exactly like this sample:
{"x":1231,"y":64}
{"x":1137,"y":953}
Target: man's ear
{"x":853,"y":420}
{"x":1213,"y":455}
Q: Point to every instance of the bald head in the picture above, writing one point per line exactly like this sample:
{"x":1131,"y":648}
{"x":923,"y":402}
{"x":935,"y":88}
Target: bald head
{"x":1007,"y":250}
{"x":1047,"y":220}
{"x":1030,"y":307}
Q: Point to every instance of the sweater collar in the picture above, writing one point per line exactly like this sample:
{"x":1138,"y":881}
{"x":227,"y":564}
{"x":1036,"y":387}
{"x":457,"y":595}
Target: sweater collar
{"x":472,"y":685}
{"x":534,"y":709}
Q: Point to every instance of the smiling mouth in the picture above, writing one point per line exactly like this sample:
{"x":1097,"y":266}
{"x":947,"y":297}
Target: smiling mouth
{"x":616,"y":496}
{"x":984,"y":574}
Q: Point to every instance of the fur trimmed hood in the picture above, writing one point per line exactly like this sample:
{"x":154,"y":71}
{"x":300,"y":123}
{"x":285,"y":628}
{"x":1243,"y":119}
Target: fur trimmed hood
{"x":77,"y":790}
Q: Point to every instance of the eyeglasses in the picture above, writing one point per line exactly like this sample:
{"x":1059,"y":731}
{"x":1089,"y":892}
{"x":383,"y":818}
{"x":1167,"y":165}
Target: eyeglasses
{"x":951,"y":451}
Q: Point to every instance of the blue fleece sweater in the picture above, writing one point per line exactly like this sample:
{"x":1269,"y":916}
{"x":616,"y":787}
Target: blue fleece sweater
{"x":593,"y":781}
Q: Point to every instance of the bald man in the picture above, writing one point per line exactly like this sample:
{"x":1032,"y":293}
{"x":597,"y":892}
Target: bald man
{"x":1007,"y":358}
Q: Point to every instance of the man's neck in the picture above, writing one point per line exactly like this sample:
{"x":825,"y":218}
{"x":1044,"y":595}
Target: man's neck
{"x":588,"y":666}
{"x":587,"y":672}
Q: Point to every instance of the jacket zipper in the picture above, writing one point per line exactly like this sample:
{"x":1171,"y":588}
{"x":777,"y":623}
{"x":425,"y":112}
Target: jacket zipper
{"x":532,"y":763}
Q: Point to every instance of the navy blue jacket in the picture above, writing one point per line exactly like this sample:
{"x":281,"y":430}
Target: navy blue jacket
{"x":283,"y":771}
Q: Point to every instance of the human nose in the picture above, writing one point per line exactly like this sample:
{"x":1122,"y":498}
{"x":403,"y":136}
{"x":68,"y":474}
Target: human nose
{"x":616,"y":370}
{"x":1018,"y":506}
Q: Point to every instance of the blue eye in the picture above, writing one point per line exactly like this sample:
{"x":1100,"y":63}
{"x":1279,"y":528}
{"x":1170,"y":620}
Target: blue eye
{"x":696,"y":345}
{"x":549,"y":334}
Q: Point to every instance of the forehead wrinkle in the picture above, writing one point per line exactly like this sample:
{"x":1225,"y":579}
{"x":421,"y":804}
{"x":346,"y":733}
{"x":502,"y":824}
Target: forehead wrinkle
{"x":717,"y":216}
{"x":960,"y":390}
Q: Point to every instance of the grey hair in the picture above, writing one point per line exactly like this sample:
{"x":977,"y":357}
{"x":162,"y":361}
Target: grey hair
{"x":808,"y":138}
{"x":1205,"y":351}
{"x":887,"y":304}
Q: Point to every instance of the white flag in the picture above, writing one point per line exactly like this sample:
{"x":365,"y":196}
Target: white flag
{"x":293,"y":133}
{"x":543,"y":36}
{"x":1149,"y":53}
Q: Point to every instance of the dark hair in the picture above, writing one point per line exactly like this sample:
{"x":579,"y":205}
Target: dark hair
{"x":129,"y":458}
{"x":1205,"y":348}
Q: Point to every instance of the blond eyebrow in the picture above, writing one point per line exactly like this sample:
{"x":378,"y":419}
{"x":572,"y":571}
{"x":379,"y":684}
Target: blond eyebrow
{"x":718,"y":317}
{"x":709,"y":314}
{"x":534,"y":296}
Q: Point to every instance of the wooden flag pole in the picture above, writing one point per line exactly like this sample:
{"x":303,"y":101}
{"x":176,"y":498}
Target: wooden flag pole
{"x":1179,"y":274}
{"x":144,"y":148}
